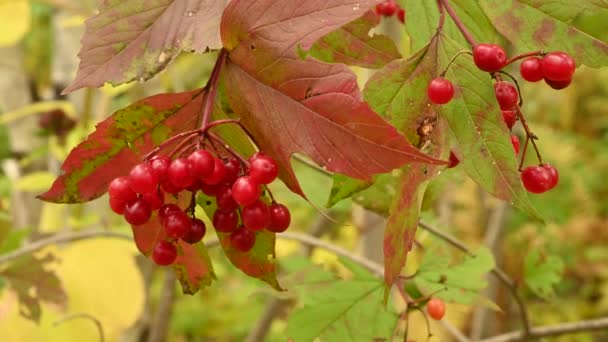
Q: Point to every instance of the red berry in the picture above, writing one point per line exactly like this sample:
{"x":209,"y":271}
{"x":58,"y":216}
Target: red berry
{"x":201,"y":163}
{"x":509,"y":117}
{"x":119,"y":188}
{"x":142,"y":179}
{"x":256,"y":216}
{"x":225,"y":222}
{"x":166,"y":209}
{"x":225,"y":201}
{"x":536,"y":179}
{"x":387,"y":8}
{"x":233,"y":169}
{"x":169,"y":187}
{"x":245,"y":190}
{"x":137,"y":212}
{"x":453,"y":161}
{"x":242,"y":239}
{"x":557,"y":85}
{"x":196,"y":232}
{"x":179,"y":173}
{"x":118,"y":205}
{"x":401,"y":15}
{"x":280,"y":218}
{"x":211,"y":189}
{"x":553,"y":175}
{"x":263,"y":169}
{"x":489,"y":57}
{"x":219,"y":173}
{"x":515,"y":143}
{"x":164,"y":253}
{"x":154,"y":199}
{"x":558,"y":66}
{"x":195,"y":186}
{"x":176,"y":224}
{"x":440,"y":91}
{"x":506,"y":94}
{"x":531,"y":69}
{"x":160,"y":164}
{"x":436,"y":308}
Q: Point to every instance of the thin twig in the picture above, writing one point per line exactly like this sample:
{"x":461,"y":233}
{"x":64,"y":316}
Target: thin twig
{"x":87,"y":317}
{"x":524,"y":55}
{"x":160,"y":324}
{"x":465,"y":32}
{"x":554,"y":330}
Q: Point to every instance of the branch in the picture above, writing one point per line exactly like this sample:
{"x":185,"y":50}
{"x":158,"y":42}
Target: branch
{"x":465,"y":33}
{"x":554,"y":330}
{"x":160,"y":324}
{"x":87,"y":317}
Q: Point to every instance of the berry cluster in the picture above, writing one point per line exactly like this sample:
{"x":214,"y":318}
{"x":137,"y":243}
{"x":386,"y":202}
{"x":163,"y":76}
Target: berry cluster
{"x":388,"y":8}
{"x":556,"y":68}
{"x":236,"y":186}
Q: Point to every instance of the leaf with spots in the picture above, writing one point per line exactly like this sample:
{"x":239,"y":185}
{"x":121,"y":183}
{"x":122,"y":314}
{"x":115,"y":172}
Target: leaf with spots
{"x":134,"y":40}
{"x":532,"y":25}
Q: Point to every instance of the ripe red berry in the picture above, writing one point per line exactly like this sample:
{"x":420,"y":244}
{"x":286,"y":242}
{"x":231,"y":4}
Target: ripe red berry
{"x":166,"y":209}
{"x":387,"y":8}
{"x":401,"y":15}
{"x":142,"y":178}
{"x":531,"y":69}
{"x":256,"y":216}
{"x":515,"y":143}
{"x":440,"y":91}
{"x":224,"y":221}
{"x":233,"y":169}
{"x":118,"y":205}
{"x":219,"y":173}
{"x":453,"y":161}
{"x":506,"y":94}
{"x":280,"y":218}
{"x":176,"y":224}
{"x":210,"y":189}
{"x":263,"y":169}
{"x":119,"y":188}
{"x":558,"y":66}
{"x":436,"y":308}
{"x":225,"y":201}
{"x":489,"y":57}
{"x":179,"y":173}
{"x":168,"y":187}
{"x":196,"y":232}
{"x":164,"y":253}
{"x":557,"y":85}
{"x":242,"y":239}
{"x":201,"y":163}
{"x":536,"y":179}
{"x":154,"y":199}
{"x":137,"y":212}
{"x":509,"y":117}
{"x":160,"y":164}
{"x":195,"y":186}
{"x":553,"y":175}
{"x":245,"y":190}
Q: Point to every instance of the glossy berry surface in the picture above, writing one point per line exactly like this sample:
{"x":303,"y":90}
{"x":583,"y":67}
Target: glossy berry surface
{"x":506,"y":95}
{"x":201,"y":163}
{"x":263,"y":169}
{"x":166,"y":209}
{"x":256,"y":216}
{"x":453,"y":161}
{"x":142,"y":178}
{"x":219,"y":173}
{"x":118,"y":205}
{"x":196,"y":232}
{"x":154,"y":199}
{"x":168,"y":187}
{"x":176,"y":224}
{"x":225,"y":201}
{"x":531,"y":69}
{"x":558,"y":66}
{"x":536,"y":179}
{"x":242,"y":239}
{"x":387,"y":8}
{"x":401,"y":15}
{"x":224,"y":221}
{"x":557,"y":85}
{"x":164,"y":253}
{"x":553,"y":175}
{"x":179,"y":173}
{"x":245,"y":190}
{"x":440,"y":91}
{"x":515,"y":143}
{"x":489,"y":57}
{"x":160,"y":164}
{"x":119,"y":188}
{"x":436,"y":308}
{"x":137,"y":212}
{"x":509,"y":117}
{"x":233,"y":169}
{"x":280,"y":218}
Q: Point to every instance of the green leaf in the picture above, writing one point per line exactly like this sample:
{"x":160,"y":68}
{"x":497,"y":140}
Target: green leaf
{"x":35,"y":181}
{"x":542,"y":275}
{"x":459,"y":283}
{"x":531,"y":25}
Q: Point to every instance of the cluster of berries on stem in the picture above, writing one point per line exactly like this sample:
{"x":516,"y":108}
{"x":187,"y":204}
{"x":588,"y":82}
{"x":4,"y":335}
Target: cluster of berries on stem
{"x":389,"y":8}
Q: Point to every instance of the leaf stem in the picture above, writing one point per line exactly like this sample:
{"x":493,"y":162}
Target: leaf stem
{"x":463,"y":30}
{"x":452,"y":61}
{"x":525,"y":55}
{"x":211,"y":88}
{"x":529,"y":133}
{"x":221,"y":122}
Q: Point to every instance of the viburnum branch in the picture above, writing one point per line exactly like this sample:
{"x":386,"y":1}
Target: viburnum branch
{"x":452,"y":61}
{"x":523,"y":153}
{"x":169,"y":142}
{"x":525,"y":55}
{"x":222,"y":122}
{"x":553,"y":330}
{"x":441,"y":17}
{"x":463,"y":30}
{"x":529,"y":133}
{"x":211,"y":88}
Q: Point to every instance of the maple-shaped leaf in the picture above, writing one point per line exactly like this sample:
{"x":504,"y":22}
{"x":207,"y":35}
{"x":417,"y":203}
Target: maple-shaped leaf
{"x":134,"y":40}
{"x":119,"y":142}
{"x":542,"y":275}
{"x":30,"y":278}
{"x":305,"y":106}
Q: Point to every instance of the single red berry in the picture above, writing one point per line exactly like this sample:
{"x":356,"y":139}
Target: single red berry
{"x":515,"y":143}
{"x":176,"y":224}
{"x":154,"y":199}
{"x":440,"y":91}
{"x":401,"y":15}
{"x":245,"y":190}
{"x":195,"y":186}
{"x":137,"y":212}
{"x":211,"y":189}
{"x":536,"y":179}
{"x":242,"y":239}
{"x":142,"y":178}
{"x":160,"y":164}
{"x":489,"y":57}
{"x":553,"y":175}
{"x":280,"y":218}
{"x":436,"y":308}
{"x":263,"y":169}
{"x":225,"y":222}
{"x":558,"y":66}
{"x":166,"y":209}
{"x":169,"y":187}
{"x":219,"y":173}
{"x":506,"y":95}
{"x":233,"y":169}
{"x":509,"y":117}
{"x":164,"y":253}
{"x":179,"y":173}
{"x":531,"y":69}
{"x":256,"y":216}
{"x":201,"y":163}
{"x":387,"y":8}
{"x":557,"y":85}
{"x":196,"y":232}
{"x":119,"y":188}
{"x":225,"y":201}
{"x":118,"y":205}
{"x":453,"y":161}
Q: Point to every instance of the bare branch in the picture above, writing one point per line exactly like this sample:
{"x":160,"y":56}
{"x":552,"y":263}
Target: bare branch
{"x":160,"y":325}
{"x":87,"y":317}
{"x":554,"y":330}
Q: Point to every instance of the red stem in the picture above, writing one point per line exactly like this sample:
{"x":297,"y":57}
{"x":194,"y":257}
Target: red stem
{"x":211,"y":88}
{"x":221,"y":122}
{"x":524,"y":55}
{"x":465,"y":33}
{"x":225,"y":146}
{"x":529,"y":135}
{"x":169,"y":141}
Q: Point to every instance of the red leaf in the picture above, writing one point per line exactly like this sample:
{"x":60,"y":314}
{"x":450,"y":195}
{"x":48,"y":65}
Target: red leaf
{"x":129,"y":41}
{"x":119,"y":142}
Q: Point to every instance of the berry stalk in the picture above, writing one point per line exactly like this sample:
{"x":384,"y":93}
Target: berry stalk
{"x":211,"y":88}
{"x":465,"y":33}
